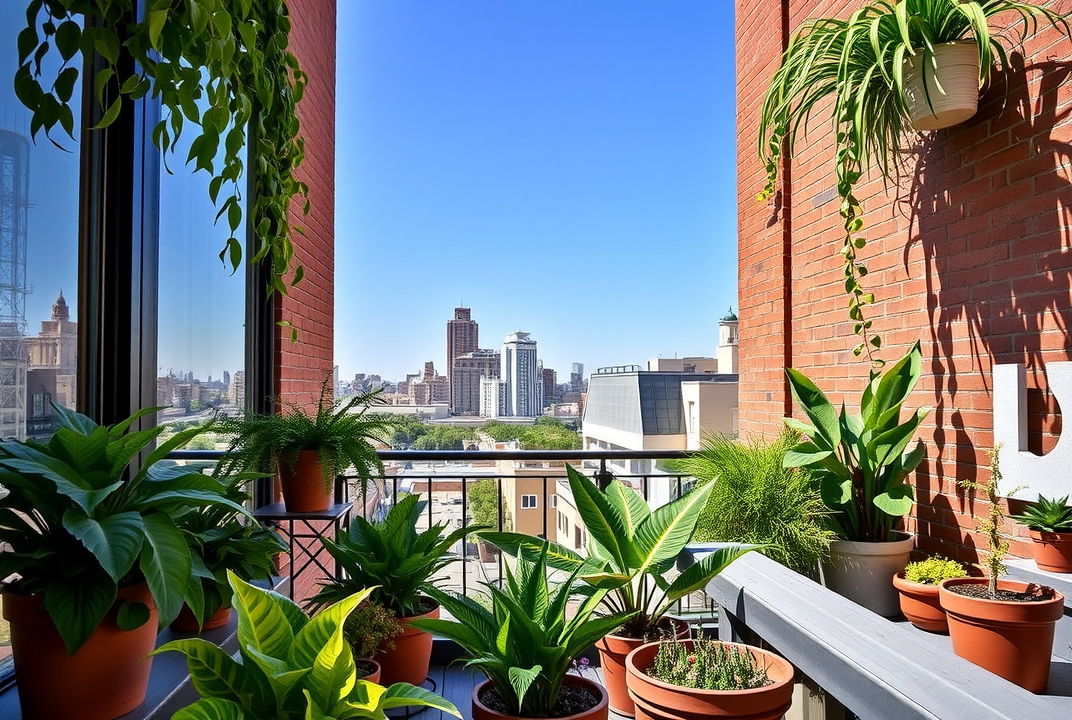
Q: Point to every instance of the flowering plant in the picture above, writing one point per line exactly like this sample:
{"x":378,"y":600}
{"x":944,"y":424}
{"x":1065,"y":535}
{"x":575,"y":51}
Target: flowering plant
{"x":707,"y":665}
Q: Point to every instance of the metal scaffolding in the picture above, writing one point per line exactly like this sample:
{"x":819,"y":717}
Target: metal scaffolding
{"x":14,"y":203}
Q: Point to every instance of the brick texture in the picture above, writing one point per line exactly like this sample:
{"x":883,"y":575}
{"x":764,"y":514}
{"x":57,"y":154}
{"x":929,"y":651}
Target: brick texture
{"x":970,"y":254}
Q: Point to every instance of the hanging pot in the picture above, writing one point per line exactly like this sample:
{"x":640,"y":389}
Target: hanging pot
{"x":412,"y":655}
{"x":863,"y":572}
{"x":304,"y":488}
{"x":944,"y":96}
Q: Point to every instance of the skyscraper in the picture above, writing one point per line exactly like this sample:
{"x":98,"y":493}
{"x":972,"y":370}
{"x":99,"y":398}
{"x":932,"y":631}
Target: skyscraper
{"x":469,"y":369}
{"x":519,"y":372}
{"x":462,"y":337}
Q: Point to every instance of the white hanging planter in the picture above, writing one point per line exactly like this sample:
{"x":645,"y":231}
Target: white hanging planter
{"x":948,"y":99}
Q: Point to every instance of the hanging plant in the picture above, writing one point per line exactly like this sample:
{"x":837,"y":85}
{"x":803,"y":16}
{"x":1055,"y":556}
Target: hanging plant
{"x":222,"y":67}
{"x":884,"y":68}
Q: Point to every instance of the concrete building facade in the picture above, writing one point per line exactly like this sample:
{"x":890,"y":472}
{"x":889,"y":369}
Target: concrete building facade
{"x":463,"y":336}
{"x":520,"y":372}
{"x":465,"y":379}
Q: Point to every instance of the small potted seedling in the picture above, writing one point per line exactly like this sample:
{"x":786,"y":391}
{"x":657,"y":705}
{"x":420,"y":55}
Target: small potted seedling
{"x":918,"y":584}
{"x":1050,"y":525}
{"x":986,"y":614}
{"x":370,"y":630}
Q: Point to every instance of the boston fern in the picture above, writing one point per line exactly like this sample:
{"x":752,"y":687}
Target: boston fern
{"x":526,"y":642}
{"x":392,"y":557}
{"x":222,"y":67}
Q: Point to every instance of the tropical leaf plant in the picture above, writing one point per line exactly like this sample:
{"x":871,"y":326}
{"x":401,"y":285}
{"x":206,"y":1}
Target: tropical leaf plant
{"x":859,"y":63}
{"x":290,"y":667}
{"x":392,"y":556}
{"x":861,"y":460}
{"x":527,"y":641}
{"x":631,"y":549}
{"x":80,"y":522}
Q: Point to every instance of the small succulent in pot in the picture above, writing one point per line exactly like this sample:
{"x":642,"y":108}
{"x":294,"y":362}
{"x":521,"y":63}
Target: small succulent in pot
{"x":1046,"y":515}
{"x":933,"y":570}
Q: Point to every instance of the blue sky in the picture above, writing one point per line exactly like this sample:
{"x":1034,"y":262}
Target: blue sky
{"x":563,"y":168}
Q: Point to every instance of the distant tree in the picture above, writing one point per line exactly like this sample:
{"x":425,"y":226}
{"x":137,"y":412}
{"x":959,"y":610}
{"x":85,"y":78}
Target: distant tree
{"x":547,"y":434}
{"x":407,"y":428}
{"x":483,"y":498}
{"x":444,"y":437}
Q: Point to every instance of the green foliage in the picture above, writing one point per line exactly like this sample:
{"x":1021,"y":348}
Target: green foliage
{"x":223,"y":540}
{"x":222,"y":67}
{"x":707,"y":665}
{"x":444,"y":437}
{"x":1047,"y":515}
{"x":290,"y":667}
{"x":755,"y":499}
{"x":546,"y":434}
{"x":406,"y":429}
{"x":371,"y":629}
{"x":630,"y":550}
{"x":860,"y":460}
{"x":392,"y":556}
{"x":934,"y":570}
{"x":991,"y":525}
{"x":859,"y":63}
{"x":342,"y":432}
{"x":526,"y":642}
{"x":483,"y":496}
{"x":80,"y":522}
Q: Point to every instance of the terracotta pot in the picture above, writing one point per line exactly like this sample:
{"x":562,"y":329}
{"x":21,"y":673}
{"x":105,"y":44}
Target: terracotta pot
{"x":1053,"y":551}
{"x":862,"y":572}
{"x":920,"y":604}
{"x":303,"y":486}
{"x":1010,"y":639}
{"x":106,"y":678}
{"x":658,"y":700}
{"x":186,"y":622}
{"x":951,"y":95}
{"x":598,"y":712}
{"x":372,"y":677}
{"x":409,"y":661}
{"x":613,"y":650}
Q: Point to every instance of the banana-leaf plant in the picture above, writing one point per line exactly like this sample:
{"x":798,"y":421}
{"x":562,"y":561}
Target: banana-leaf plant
{"x":631,"y":549}
{"x":290,"y":667}
{"x":80,"y":522}
{"x":861,"y":460}
{"x":526,"y":642}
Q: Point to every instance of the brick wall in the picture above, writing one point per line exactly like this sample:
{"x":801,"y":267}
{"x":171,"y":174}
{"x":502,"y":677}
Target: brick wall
{"x":970,"y":255}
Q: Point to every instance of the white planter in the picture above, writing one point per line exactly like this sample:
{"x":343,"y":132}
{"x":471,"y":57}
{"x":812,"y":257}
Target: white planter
{"x":952,"y":97}
{"x":863,"y":572}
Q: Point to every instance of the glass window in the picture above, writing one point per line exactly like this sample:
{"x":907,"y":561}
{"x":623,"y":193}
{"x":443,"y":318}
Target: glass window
{"x":528,"y":502}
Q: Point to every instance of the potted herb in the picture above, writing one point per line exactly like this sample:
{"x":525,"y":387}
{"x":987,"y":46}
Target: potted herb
{"x":699,"y":679}
{"x":862,"y":464}
{"x":308,"y":451}
{"x":398,"y":562}
{"x":526,"y":642}
{"x":631,"y":548}
{"x":888,"y":66}
{"x":222,"y":539}
{"x":289,"y":667}
{"x":918,"y":584}
{"x":98,"y":560}
{"x":370,"y":631}
{"x":1050,"y":524}
{"x":1005,"y":626}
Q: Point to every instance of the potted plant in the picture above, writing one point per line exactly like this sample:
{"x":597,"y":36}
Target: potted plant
{"x":631,"y":548}
{"x":1005,"y":626}
{"x":887,"y":66}
{"x":699,"y":679}
{"x":1050,"y":524}
{"x":918,"y":584}
{"x":862,"y":466}
{"x":289,"y":667}
{"x":756,"y":499}
{"x":308,"y":451}
{"x":398,"y":562}
{"x":222,"y":539}
{"x":371,"y":630}
{"x":527,"y":641}
{"x":98,"y":560}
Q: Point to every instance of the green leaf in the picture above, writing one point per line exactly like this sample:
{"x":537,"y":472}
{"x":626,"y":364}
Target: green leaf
{"x":896,"y":501}
{"x":521,"y":680}
{"x":106,"y":43}
{"x":211,"y":709}
{"x":321,"y":645}
{"x":670,"y":528}
{"x":68,"y":35}
{"x":131,"y":615}
{"x":111,"y":114}
{"x":213,"y":672}
{"x":157,"y":18}
{"x":165,"y":562}
{"x":605,"y":526}
{"x":27,"y":43}
{"x":114,"y":540}
{"x":78,"y":604}
{"x":631,"y":507}
{"x":262,"y":623}
{"x":406,"y":695}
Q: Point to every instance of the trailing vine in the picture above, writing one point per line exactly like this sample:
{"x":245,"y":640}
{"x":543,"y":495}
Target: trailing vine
{"x":222,"y":67}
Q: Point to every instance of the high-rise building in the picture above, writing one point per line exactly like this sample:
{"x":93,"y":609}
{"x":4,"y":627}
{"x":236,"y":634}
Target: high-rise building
{"x":493,"y":398}
{"x":549,"y":378}
{"x":429,"y":389}
{"x":469,"y":369}
{"x":14,"y":203}
{"x":576,"y":379}
{"x":238,"y":389}
{"x":462,"y":337}
{"x":518,"y":370}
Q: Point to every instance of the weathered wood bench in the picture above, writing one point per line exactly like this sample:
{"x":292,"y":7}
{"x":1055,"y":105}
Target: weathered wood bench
{"x":878,"y":668}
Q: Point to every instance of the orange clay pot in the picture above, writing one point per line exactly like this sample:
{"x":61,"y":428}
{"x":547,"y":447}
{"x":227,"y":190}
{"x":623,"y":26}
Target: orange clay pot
{"x":1010,"y":639}
{"x":372,"y":677}
{"x":186,"y":622}
{"x":658,"y":700}
{"x":409,"y":661}
{"x":613,"y":650}
{"x":598,"y":712}
{"x":1053,"y":551}
{"x":107,"y":677}
{"x":303,"y":486}
{"x":920,"y":604}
